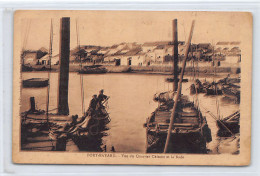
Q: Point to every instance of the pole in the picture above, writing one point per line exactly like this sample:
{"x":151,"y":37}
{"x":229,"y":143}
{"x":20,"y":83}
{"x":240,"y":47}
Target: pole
{"x":63,"y":107}
{"x":32,"y":102}
{"x":81,"y":76}
{"x":50,"y":56}
{"x":175,"y":55}
{"x":179,"y":89}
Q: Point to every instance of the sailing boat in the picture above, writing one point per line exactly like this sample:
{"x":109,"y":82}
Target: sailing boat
{"x":86,"y":133}
{"x":229,"y":125}
{"x":177,"y":126}
{"x":45,"y":131}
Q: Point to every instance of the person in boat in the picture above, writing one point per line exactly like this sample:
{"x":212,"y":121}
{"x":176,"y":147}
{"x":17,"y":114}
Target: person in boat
{"x":101,"y":100}
{"x":92,"y":105}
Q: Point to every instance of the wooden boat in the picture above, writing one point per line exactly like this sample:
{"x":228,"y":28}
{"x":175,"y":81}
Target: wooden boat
{"x":190,"y":134}
{"x":229,"y":125}
{"x":197,"y":87}
{"x":177,"y":125}
{"x":231,"y":92}
{"x":46,"y":131}
{"x":229,"y":80}
{"x":205,"y":87}
{"x":213,"y":89}
{"x":88,"y":135}
{"x":41,"y":133}
{"x":35,"y":82}
{"x":94,"y":69}
{"x":172,"y":80}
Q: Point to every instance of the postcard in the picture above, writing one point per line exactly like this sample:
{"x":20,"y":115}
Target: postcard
{"x":132,"y":87}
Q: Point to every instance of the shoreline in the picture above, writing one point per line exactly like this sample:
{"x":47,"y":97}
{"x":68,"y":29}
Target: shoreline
{"x":149,"y":70}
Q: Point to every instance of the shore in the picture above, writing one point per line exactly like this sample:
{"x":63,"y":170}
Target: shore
{"x":162,"y":70}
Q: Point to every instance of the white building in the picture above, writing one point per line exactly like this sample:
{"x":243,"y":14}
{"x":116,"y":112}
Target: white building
{"x":133,"y":60}
{"x":45,"y":60}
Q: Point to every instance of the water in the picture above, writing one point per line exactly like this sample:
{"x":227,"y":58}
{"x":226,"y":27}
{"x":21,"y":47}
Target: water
{"x":130,"y":103}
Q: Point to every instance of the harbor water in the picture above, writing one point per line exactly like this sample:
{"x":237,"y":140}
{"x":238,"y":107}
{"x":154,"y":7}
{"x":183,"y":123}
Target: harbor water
{"x":130,"y":103}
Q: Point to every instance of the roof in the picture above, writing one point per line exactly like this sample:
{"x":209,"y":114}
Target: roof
{"x":134,"y":51}
{"x":156,"y":43}
{"x":114,"y":47}
{"x":234,"y":43}
{"x":229,"y":43}
{"x":204,"y":44}
{"x":222,"y":43}
{"x":160,"y":47}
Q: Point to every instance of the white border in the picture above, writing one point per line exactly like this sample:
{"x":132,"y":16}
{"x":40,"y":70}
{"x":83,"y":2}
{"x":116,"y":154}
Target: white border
{"x":6,"y":55}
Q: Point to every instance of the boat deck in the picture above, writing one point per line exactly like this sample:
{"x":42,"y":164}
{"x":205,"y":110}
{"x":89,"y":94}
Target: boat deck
{"x":187,"y":118}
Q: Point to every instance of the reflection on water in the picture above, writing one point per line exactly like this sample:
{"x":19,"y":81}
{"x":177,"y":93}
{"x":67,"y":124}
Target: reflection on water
{"x":130,"y":103}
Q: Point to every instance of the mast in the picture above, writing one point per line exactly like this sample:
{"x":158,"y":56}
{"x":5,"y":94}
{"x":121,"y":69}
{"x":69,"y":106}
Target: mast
{"x":63,"y":107}
{"x":175,"y":55}
{"x":81,"y":77}
{"x":50,"y":56}
{"x":179,"y":89}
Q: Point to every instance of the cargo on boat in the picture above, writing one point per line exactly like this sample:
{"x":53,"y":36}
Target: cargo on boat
{"x":35,"y":82}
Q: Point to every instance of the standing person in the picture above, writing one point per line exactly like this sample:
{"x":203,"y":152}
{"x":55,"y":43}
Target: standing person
{"x":101,"y":98}
{"x":93,"y":104}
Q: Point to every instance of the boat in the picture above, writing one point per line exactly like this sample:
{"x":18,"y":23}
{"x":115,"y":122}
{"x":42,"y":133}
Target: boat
{"x":190,"y":130}
{"x":35,"y":82}
{"x":213,"y":89}
{"x":229,"y":125}
{"x":94,"y":69}
{"x":177,"y":125}
{"x":197,"y":87}
{"x":205,"y":87}
{"x":229,"y":80}
{"x":45,"y":131}
{"x":232,"y":92}
{"x":231,"y":88}
{"x":172,"y":80}
{"x":88,"y":133}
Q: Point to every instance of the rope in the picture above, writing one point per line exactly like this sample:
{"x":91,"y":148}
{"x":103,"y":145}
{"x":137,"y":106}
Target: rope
{"x":27,"y":29}
{"x":216,"y":89}
{"x":48,"y":89}
{"x":81,"y":77}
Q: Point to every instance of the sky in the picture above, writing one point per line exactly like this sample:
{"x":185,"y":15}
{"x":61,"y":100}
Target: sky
{"x":106,"y":28}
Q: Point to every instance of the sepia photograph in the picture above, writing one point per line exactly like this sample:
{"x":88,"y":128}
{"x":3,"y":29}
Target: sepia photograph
{"x":132,"y":87}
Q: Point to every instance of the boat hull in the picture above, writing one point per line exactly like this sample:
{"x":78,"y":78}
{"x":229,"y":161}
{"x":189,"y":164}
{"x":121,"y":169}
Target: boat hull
{"x":231,"y":93}
{"x":35,"y":83}
{"x":190,"y":132}
{"x":233,"y":126}
{"x":190,"y":142}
